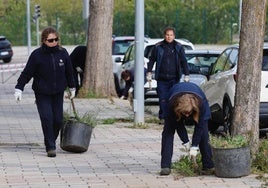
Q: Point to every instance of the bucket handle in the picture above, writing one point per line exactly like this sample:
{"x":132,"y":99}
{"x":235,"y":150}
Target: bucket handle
{"x":72,"y":103}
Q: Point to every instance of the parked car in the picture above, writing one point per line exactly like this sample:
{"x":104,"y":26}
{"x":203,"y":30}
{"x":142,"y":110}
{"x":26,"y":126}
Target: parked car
{"x":120,"y":45}
{"x":128,"y":61}
{"x":6,"y":51}
{"x":220,"y":89}
{"x":199,"y":62}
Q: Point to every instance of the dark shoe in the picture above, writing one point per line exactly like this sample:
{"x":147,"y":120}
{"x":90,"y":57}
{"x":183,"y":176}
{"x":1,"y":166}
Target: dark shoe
{"x":165,"y":171}
{"x":51,"y":153}
{"x":208,"y":171}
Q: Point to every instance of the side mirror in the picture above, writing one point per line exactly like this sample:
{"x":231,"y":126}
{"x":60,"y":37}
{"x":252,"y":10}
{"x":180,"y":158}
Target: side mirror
{"x":118,"y":60}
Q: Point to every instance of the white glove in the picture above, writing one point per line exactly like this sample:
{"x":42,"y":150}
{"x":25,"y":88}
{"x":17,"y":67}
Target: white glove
{"x":186,"y":146}
{"x":186,"y":78}
{"x":149,"y":77}
{"x":79,"y":70}
{"x":72,"y":93}
{"x":130,"y":90}
{"x":193,"y":151}
{"x":18,"y":95}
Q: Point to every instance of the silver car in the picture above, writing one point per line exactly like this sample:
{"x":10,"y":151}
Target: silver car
{"x":220,"y":89}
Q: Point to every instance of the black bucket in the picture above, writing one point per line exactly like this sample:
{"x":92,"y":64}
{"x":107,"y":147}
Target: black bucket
{"x":231,"y":162}
{"x":75,"y":136}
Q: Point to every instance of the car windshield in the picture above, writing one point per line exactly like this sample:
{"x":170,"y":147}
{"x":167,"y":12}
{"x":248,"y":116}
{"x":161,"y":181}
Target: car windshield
{"x":120,"y":46}
{"x":200,"y":63}
{"x":265,"y":60}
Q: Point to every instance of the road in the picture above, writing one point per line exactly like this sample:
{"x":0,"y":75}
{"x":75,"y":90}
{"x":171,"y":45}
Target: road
{"x":10,"y":71}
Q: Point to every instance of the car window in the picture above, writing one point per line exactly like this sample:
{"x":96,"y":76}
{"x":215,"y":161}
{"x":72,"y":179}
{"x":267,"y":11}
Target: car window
{"x":186,"y":47}
{"x":265,"y":60}
{"x":129,"y":55}
{"x":120,"y":47}
{"x":232,"y":60}
{"x":201,"y":59}
{"x":200,"y":63}
{"x":220,"y":63}
{"x":148,"y":50}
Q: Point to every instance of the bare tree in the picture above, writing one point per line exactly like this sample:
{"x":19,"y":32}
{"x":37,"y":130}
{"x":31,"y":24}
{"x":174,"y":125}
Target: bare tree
{"x":98,"y":76}
{"x":246,"y":112}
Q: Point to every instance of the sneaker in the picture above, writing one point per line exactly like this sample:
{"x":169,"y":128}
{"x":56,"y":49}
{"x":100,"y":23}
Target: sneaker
{"x":51,"y":153}
{"x":165,"y":171}
{"x":208,"y":171}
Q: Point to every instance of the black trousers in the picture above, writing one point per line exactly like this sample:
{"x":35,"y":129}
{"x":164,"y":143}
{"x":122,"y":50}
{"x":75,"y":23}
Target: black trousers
{"x":163,"y":88}
{"x":50,"y":109}
{"x":168,"y":139}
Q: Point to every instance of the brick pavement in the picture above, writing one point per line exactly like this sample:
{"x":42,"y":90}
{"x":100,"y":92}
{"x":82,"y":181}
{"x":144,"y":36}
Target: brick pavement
{"x":118,"y":156}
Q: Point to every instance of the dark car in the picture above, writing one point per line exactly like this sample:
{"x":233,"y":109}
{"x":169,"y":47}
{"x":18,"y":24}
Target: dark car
{"x":6,"y":51}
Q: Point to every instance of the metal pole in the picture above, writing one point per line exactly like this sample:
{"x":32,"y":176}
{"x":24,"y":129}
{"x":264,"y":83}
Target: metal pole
{"x":138,"y":102}
{"x":28,"y":27}
{"x":86,"y":16}
{"x":37,"y":32}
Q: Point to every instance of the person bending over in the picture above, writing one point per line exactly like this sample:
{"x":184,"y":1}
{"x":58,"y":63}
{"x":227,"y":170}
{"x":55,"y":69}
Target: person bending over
{"x":187,"y":102}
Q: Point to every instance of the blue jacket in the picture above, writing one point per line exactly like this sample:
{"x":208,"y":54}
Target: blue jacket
{"x":51,"y":70}
{"x":205,"y":115}
{"x":157,"y":56}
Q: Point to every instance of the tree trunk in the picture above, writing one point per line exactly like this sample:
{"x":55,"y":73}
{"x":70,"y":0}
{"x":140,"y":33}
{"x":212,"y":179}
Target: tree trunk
{"x":246,"y":112}
{"x":98,"y":80}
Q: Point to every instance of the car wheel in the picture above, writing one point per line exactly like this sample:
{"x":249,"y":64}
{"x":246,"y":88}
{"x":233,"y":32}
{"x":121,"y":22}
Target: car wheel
{"x":227,"y":117}
{"x":7,"y":60}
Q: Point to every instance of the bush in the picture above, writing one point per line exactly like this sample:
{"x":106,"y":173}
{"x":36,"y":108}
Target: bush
{"x":260,"y":163}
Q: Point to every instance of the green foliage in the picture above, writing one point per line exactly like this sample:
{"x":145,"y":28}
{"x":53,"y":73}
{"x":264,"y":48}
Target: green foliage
{"x":152,"y":120}
{"x":118,"y":120}
{"x":139,"y":126}
{"x":86,"y":118}
{"x":89,"y":119}
{"x":109,"y":121}
{"x":228,"y":141}
{"x":84,"y":93}
{"x":185,"y":166}
{"x":201,"y":21}
{"x":260,"y":163}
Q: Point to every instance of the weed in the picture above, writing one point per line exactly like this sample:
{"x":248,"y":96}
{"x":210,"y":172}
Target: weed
{"x":228,"y":141}
{"x":86,"y":118}
{"x":118,"y":120}
{"x":260,"y":163}
{"x":185,"y":166}
{"x":153,"y":120}
{"x":109,"y":121}
{"x":139,"y":126}
{"x":84,"y":93}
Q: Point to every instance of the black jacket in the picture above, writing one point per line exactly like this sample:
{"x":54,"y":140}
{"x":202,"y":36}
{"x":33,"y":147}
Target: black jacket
{"x":205,"y":114}
{"x":51,"y":70}
{"x":78,"y":57}
{"x":157,"y":56}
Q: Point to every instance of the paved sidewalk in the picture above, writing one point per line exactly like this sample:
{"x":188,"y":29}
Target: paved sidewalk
{"x":117,"y":157}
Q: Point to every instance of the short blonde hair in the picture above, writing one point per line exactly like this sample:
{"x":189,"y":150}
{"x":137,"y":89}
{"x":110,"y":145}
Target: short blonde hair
{"x":186,"y":103}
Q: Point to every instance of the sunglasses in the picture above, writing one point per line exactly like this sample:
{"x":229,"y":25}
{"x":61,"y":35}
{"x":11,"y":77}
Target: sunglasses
{"x":52,"y":40}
